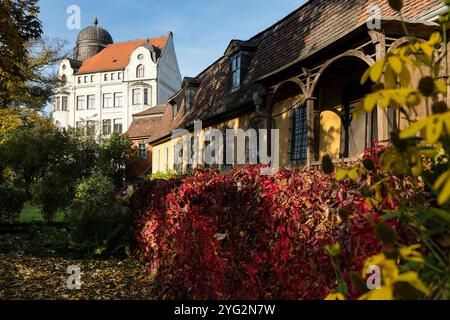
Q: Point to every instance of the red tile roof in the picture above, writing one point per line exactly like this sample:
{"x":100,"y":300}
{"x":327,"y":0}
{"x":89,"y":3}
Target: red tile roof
{"x":116,"y":56}
{"x":151,"y":111}
{"x":151,"y":123}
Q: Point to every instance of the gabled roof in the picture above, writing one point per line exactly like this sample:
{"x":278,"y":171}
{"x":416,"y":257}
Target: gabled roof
{"x":158,"y":110}
{"x":116,"y":56}
{"x":315,"y":26}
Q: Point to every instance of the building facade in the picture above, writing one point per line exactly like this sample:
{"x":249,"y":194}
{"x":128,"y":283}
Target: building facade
{"x":306,"y":70}
{"x":106,"y":83}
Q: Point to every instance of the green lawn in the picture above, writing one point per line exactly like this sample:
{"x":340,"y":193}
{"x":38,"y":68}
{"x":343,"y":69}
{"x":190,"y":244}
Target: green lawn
{"x":32,"y":213}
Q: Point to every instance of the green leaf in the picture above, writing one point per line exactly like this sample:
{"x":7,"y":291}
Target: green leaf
{"x":333,"y":250}
{"x":391,"y":216}
{"x":385,"y":233}
{"x":443,"y":215}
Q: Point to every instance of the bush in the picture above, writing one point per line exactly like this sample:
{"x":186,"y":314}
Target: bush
{"x":54,"y":192}
{"x":12,"y":200}
{"x":246,"y":236}
{"x":98,"y":223}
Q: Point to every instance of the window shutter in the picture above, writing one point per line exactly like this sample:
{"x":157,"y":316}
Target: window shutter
{"x":246,"y":58}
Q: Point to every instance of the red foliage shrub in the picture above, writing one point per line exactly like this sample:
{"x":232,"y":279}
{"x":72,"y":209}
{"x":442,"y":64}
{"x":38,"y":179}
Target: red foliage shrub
{"x":246,"y":236}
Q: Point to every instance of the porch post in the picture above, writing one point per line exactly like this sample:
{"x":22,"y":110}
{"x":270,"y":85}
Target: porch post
{"x":311,"y":131}
{"x":379,"y":40}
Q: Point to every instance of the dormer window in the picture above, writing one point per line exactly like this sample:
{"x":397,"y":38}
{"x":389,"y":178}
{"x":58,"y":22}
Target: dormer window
{"x":140,"y":71}
{"x":235,"y":72}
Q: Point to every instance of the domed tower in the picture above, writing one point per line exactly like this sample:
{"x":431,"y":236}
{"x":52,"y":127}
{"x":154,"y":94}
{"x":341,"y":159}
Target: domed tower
{"x":91,"y":40}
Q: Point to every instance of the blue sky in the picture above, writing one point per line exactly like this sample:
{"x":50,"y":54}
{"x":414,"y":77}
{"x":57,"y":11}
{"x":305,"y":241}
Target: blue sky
{"x":202,"y":28}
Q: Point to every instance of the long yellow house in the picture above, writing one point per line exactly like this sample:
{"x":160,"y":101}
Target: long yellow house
{"x":301,"y":76}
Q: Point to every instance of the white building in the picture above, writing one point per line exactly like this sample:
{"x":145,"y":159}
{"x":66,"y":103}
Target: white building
{"x":106,"y":83}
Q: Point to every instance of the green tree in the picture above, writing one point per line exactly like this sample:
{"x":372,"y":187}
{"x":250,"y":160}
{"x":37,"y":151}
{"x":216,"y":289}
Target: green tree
{"x":19,"y":25}
{"x":114,"y":158}
{"x":96,"y":220}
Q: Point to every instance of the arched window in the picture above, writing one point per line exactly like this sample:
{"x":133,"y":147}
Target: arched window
{"x":140,"y":71}
{"x":299,"y":148}
{"x":63,"y":79}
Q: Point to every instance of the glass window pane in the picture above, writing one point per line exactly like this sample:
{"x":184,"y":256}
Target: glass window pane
{"x":299,"y":147}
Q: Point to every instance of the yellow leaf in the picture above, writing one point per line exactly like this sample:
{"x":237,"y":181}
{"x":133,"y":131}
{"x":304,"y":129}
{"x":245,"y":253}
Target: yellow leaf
{"x":446,"y":119}
{"x":416,"y":170}
{"x":434,"y":129}
{"x":370,"y":101}
{"x":365,"y":76}
{"x":385,"y":99}
{"x":396,"y":64}
{"x":412,"y":130}
{"x":413,"y":279}
{"x":384,"y":293}
{"x":440,"y":181}
{"x":435,"y":39}
{"x":411,"y":254}
{"x":341,"y":174}
{"x":376,"y":71}
{"x":413,"y":99}
{"x":444,"y":195}
{"x":405,"y":77}
{"x":427,"y":49}
{"x":390,"y":79}
{"x":335,"y":296}
{"x":440,"y":86}
{"x":353,"y":174}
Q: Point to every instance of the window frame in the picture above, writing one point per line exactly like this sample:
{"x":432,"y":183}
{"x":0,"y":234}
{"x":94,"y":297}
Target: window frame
{"x":142,"y":152}
{"x":110,"y":99}
{"x":89,"y":100}
{"x":64,"y":103}
{"x":145,"y":96}
{"x":109,"y":126}
{"x":235,"y":70}
{"x":83,"y":100}
{"x":118,"y":95}
{"x":140,"y":71}
{"x":133,"y":97}
{"x":116,"y":122}
{"x":299,"y":135}
{"x":57,"y":104}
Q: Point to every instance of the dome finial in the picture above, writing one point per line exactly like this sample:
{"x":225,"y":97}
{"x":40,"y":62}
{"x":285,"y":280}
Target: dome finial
{"x":95,"y":21}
